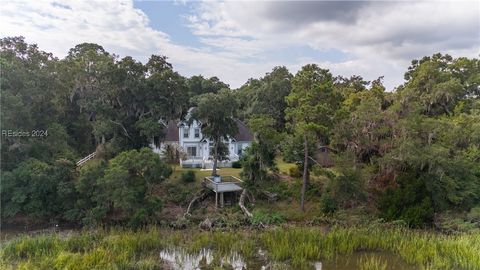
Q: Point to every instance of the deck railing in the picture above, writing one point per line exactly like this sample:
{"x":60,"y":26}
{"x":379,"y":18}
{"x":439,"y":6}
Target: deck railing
{"x":85,"y":159}
{"x":225,"y":180}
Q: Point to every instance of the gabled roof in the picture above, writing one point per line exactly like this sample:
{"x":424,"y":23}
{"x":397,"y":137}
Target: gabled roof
{"x":172,"y":132}
{"x":326,"y":147}
{"x":243,"y":133}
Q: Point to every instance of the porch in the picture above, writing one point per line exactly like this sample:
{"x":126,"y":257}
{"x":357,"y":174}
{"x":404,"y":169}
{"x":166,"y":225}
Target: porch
{"x":206,"y":162}
{"x":222,"y":184}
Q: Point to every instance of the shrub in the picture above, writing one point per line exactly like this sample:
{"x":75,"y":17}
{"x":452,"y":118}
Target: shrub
{"x":120,"y":190}
{"x":328,"y":204}
{"x":319,"y":171}
{"x":474,"y":215}
{"x":348,"y":187}
{"x":237,"y":164}
{"x":410,"y":202}
{"x":295,"y":172}
{"x":266,"y":218}
{"x":455,"y":225}
{"x":38,"y":190}
{"x":342,"y":191}
{"x":188,"y":176}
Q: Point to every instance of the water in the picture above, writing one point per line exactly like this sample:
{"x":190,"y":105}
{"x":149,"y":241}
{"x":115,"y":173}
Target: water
{"x":206,"y":259}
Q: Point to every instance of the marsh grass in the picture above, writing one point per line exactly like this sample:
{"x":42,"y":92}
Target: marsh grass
{"x":415,"y":247}
{"x":371,"y":263}
{"x":297,"y":246}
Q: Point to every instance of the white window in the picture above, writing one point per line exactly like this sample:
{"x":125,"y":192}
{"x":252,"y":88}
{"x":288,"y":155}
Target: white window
{"x":191,"y":151}
{"x":197,"y":133}
{"x":185,"y":132}
{"x":210,"y":147}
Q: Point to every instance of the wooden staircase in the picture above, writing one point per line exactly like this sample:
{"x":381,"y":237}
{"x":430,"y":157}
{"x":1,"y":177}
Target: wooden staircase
{"x":85,"y":159}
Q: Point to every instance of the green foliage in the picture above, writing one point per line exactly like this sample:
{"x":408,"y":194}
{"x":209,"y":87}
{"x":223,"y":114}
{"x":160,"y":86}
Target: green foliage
{"x":436,"y":83}
{"x":188,"y":177}
{"x":293,"y":147}
{"x":297,"y":246}
{"x":237,"y":164}
{"x":173,"y":153}
{"x":319,"y":171}
{"x":312,"y":101}
{"x":259,"y":157}
{"x":474,"y":215}
{"x":328,"y":204}
{"x":372,"y":263}
{"x":266,"y":96}
{"x":294,"y":172}
{"x":122,"y":190}
{"x":458,"y":222}
{"x":410,"y":202}
{"x":198,"y":85}
{"x":216,"y":113}
{"x":89,"y":212}
{"x":39,"y":190}
{"x":262,"y":218}
{"x":128,"y":180}
{"x":255,"y":164}
{"x":418,"y":148}
{"x":344,"y":190}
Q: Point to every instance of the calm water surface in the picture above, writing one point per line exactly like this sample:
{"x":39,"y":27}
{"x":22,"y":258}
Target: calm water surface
{"x":206,"y":259}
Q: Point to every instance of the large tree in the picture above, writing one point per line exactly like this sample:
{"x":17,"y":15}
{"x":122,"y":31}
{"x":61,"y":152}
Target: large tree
{"x":311,"y":106}
{"x":266,"y":96}
{"x":216,"y":114}
{"x":260,"y":156}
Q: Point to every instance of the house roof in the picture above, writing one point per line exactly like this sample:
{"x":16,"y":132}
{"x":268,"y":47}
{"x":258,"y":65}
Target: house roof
{"x":243,"y":133}
{"x":172,"y":132}
{"x":326,"y":147}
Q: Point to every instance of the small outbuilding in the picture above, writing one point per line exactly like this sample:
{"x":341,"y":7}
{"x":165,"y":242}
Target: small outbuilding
{"x":223,"y":185}
{"x":324,"y":156}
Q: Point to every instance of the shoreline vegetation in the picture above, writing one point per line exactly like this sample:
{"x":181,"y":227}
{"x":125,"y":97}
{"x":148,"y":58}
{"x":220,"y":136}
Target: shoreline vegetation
{"x":295,"y":246}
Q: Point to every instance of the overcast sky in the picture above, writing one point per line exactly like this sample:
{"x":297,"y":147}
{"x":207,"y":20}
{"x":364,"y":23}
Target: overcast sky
{"x":239,"y":40}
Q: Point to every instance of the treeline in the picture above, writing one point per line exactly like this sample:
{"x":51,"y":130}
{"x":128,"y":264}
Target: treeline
{"x":408,"y":153}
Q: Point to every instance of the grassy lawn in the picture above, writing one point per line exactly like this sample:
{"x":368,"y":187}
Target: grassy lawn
{"x":200,"y":174}
{"x":283,"y":167}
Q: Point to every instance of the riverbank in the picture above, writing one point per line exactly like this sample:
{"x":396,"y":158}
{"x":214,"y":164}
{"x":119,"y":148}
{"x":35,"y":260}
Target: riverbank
{"x":285,"y":247}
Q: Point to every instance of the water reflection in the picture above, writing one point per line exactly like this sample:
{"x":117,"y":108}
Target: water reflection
{"x":179,"y":259}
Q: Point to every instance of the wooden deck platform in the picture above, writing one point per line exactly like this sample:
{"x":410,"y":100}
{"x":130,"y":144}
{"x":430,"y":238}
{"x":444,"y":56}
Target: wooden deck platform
{"x":224,"y":184}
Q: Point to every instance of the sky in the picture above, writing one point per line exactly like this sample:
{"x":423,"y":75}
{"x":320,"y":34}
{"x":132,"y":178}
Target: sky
{"x":238,"y":40}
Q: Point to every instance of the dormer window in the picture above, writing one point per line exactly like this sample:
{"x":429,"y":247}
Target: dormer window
{"x":197,"y":133}
{"x":185,"y":132}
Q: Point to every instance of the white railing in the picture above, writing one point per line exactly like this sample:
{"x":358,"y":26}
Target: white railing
{"x":224,"y":180}
{"x":85,"y":159}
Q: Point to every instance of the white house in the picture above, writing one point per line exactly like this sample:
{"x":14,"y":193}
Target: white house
{"x":198,"y":148}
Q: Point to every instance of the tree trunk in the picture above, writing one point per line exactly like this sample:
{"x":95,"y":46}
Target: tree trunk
{"x":305,"y":172}
{"x":196,"y":198}
{"x":215,"y":157}
{"x":241,"y":203}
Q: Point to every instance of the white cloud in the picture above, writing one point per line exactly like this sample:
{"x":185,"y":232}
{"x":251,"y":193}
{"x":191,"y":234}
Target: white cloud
{"x":120,"y":29}
{"x":240,"y":37}
{"x":381,"y":37}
